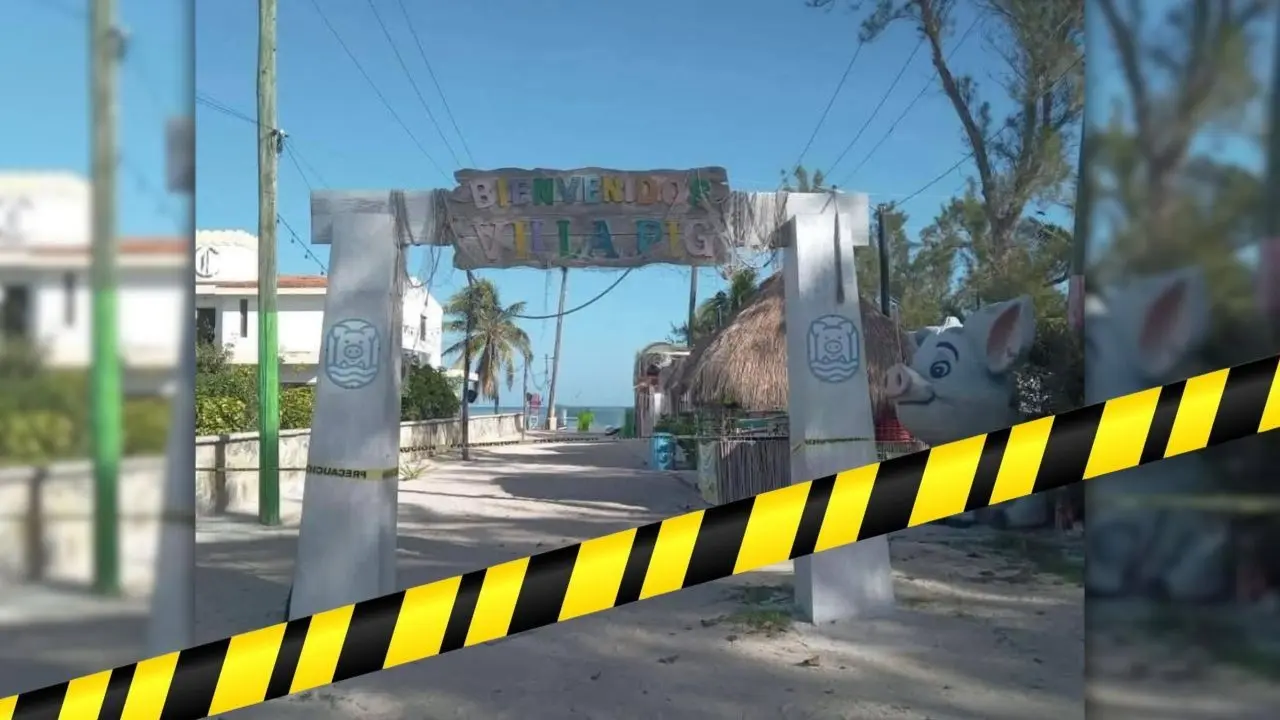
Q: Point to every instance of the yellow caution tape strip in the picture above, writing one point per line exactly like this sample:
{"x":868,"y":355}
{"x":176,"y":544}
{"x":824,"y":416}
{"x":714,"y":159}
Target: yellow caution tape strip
{"x":680,"y":552}
{"x":354,"y":473}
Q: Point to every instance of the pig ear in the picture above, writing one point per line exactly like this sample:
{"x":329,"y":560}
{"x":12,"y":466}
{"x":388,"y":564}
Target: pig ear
{"x":919,"y":336}
{"x":1171,"y":322}
{"x":1003,"y":332}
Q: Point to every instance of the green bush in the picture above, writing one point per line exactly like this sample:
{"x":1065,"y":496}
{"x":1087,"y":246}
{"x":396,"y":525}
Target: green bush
{"x":218,"y":377}
{"x":584,"y":420}
{"x":146,"y":425}
{"x":36,"y":436}
{"x":220,"y":415}
{"x":296,"y":407}
{"x":428,"y":394}
{"x":44,"y":414}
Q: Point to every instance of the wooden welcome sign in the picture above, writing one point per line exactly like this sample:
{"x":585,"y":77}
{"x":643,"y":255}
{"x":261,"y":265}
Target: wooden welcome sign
{"x":590,"y":217}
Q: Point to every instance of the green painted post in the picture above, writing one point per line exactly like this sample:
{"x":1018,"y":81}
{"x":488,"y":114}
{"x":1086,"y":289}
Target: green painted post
{"x":106,"y":395}
{"x":269,"y":141}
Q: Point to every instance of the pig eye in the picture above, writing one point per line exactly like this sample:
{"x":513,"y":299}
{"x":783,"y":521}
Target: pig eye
{"x":940,"y":369}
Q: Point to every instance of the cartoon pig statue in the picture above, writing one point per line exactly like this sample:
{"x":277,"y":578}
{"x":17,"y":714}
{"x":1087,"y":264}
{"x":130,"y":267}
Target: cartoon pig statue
{"x":960,"y":384}
{"x":1137,"y":337}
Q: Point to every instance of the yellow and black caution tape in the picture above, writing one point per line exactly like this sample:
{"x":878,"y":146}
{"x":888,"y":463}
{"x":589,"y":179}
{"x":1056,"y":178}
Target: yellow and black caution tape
{"x":680,"y":552}
{"x":354,"y":473}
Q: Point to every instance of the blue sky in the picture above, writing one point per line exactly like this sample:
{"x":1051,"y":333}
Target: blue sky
{"x":662,"y":84}
{"x":45,"y":125}
{"x":566,"y":85}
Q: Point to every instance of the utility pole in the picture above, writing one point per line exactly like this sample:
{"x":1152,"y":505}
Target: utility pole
{"x":693,"y":304}
{"x":882,"y":244}
{"x":106,"y":44}
{"x":269,"y":146}
{"x":524,"y":405}
{"x":1269,"y":266}
{"x":466,"y":368}
{"x":1080,"y":235}
{"x":555,"y":357}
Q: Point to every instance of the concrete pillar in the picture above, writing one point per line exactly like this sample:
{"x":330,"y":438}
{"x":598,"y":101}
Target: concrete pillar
{"x":347,"y":543}
{"x":829,"y":396}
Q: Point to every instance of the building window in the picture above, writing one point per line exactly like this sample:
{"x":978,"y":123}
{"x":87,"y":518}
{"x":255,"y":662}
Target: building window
{"x":206,"y":326}
{"x":69,"y":299}
{"x":422,"y":328}
{"x":244,"y":317}
{"x":15,"y":312}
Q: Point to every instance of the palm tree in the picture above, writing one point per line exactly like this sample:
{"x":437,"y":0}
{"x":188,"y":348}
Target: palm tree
{"x":716,"y":311}
{"x":496,"y":340}
{"x":805,"y":181}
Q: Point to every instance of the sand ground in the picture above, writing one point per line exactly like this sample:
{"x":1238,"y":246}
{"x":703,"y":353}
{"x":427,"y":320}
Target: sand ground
{"x":989,"y":625}
{"x":980,"y":633}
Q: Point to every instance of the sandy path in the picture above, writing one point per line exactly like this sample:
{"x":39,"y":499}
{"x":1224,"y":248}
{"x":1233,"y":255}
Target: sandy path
{"x":989,"y":625}
{"x":978,"y":635}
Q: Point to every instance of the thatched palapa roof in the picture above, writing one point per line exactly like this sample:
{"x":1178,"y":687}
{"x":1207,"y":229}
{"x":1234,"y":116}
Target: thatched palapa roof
{"x":745,"y":363}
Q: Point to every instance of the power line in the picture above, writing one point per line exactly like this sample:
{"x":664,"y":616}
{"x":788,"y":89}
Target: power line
{"x":291,"y":146}
{"x":216,"y":105}
{"x":876,"y":111}
{"x":914,"y":100}
{"x":830,"y":102}
{"x":300,"y":163}
{"x":413,"y":83}
{"x":584,"y":305}
{"x":341,"y":43}
{"x":987,"y":139}
{"x":295,"y":158}
{"x":296,"y":240}
{"x":432,"y":74}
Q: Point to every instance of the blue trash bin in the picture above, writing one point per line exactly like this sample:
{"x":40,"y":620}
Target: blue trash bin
{"x":662,"y":451}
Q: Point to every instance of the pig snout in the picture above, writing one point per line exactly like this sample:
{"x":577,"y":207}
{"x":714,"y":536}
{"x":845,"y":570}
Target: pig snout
{"x":904,"y":384}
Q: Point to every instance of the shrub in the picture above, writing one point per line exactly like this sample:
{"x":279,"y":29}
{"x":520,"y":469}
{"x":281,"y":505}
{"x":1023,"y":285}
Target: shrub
{"x":146,"y":425}
{"x":218,"y":377}
{"x":428,"y":394}
{"x":37,"y":436}
{"x":584,"y":420}
{"x":296,"y":407}
{"x":220,"y":415}
{"x":44,"y":414}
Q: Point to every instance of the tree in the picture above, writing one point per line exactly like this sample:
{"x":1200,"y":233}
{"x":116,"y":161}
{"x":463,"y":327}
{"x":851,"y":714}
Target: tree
{"x":1167,"y":203}
{"x":1192,"y":74}
{"x":1023,"y":158}
{"x":805,"y":182}
{"x":718,"y":310}
{"x":496,"y":342}
{"x":428,"y":394}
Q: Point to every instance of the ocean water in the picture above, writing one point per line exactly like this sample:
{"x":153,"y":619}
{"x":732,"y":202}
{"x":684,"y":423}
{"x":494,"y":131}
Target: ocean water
{"x":604,"y":415}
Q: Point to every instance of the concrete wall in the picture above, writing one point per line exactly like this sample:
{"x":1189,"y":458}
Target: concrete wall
{"x":46,"y":513}
{"x":227,"y":465}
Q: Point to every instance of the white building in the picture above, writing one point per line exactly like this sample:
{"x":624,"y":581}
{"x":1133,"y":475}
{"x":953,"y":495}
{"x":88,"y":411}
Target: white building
{"x":227,"y":308}
{"x":45,"y":296}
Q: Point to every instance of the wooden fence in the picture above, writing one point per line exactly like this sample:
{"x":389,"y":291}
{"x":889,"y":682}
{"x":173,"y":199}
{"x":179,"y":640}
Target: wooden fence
{"x":746,"y":466}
